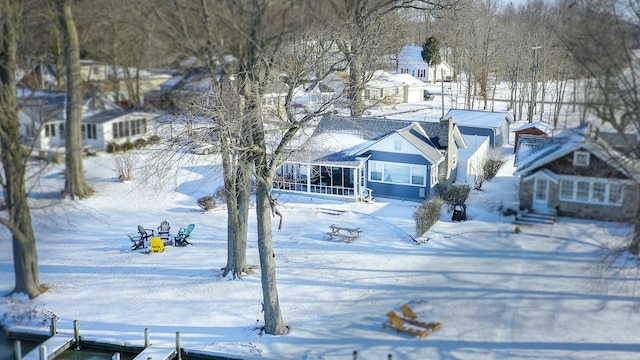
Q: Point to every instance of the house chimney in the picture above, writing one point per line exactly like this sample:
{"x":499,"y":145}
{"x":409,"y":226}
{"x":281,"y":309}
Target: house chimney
{"x":445,"y":140}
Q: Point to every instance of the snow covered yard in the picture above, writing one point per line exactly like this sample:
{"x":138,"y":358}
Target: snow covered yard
{"x":538,"y":294}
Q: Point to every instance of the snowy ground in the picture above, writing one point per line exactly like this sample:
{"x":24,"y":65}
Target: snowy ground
{"x":543,"y":293}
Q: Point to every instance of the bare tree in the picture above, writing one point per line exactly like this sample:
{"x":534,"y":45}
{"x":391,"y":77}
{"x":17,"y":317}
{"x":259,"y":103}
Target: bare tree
{"x":75,"y":185}
{"x":603,"y":36}
{"x":364,"y":37}
{"x":18,"y":221}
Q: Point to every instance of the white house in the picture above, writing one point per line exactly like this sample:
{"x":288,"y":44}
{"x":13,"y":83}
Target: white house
{"x":410,"y":62}
{"x":43,"y":118}
{"x":391,"y":88}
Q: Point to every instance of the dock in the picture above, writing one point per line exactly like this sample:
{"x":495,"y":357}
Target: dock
{"x":55,"y":346}
{"x":156,"y":353}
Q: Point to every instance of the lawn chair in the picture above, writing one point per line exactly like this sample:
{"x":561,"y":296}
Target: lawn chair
{"x":139,"y":240}
{"x":398,"y":324}
{"x":157,"y":245}
{"x":411,"y":317}
{"x":183,"y":235}
{"x":163,"y":232}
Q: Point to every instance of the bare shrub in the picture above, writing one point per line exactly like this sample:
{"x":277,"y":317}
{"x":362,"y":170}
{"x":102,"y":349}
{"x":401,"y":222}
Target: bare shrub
{"x":492,"y":163}
{"x":113,"y":148}
{"x":140,"y":143}
{"x":128,"y":146}
{"x":124,"y":166}
{"x":154,"y":139}
{"x":454,"y":194}
{"x":207,"y":203}
{"x":428,"y":214}
{"x":221,"y":194}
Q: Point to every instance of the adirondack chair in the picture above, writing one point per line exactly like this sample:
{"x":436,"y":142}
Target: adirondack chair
{"x":157,"y":245}
{"x":163,"y":231}
{"x":411,"y":317}
{"x":139,"y":240}
{"x":398,"y":324}
{"x":183,"y":235}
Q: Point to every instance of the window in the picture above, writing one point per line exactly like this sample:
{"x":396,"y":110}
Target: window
{"x":615,"y":193}
{"x":49,"y":130}
{"x":581,"y":158}
{"x":367,"y":94}
{"x":123,"y":128}
{"x":434,"y":174}
{"x":397,"y":145}
{"x":566,"y":190}
{"x":582,"y":192}
{"x":598,"y":192}
{"x":397,"y":173}
{"x":594,"y":191}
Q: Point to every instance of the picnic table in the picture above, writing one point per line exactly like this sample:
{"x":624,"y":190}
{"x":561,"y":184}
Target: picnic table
{"x":345,"y":233}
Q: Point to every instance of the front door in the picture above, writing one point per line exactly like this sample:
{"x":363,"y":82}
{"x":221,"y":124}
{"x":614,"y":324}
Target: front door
{"x":540,"y":194}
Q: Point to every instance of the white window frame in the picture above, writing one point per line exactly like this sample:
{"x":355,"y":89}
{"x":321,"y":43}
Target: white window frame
{"x":581,"y":158}
{"x":613,"y":194}
{"x":397,"y":145}
{"x":379,"y":166}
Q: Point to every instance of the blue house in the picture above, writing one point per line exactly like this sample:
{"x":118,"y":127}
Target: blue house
{"x":494,"y":124}
{"x":356,"y":158}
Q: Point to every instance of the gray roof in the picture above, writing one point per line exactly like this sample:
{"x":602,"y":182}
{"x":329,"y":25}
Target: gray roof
{"x":369,"y":128}
{"x":536,"y":151}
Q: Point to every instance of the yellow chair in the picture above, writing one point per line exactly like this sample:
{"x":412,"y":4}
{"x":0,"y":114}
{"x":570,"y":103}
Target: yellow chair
{"x":157,"y":245}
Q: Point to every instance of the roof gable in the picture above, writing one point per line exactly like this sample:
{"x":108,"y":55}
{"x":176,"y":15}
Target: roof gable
{"x":479,"y":118}
{"x":535,"y":152}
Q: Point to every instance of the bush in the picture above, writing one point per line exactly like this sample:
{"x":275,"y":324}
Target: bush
{"x":428,"y":214}
{"x":140,"y":143}
{"x":154,"y":139}
{"x":221,"y":194}
{"x":492,"y":163}
{"x":453,"y":194}
{"x":124,"y":167}
{"x":207,"y":202}
{"x":128,"y":146}
{"x":113,"y":148}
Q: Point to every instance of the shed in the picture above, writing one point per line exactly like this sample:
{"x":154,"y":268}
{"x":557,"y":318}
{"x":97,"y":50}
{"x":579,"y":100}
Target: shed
{"x":535,"y":128}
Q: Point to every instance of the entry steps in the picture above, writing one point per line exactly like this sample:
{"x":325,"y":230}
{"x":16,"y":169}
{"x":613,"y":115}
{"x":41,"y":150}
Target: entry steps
{"x":538,"y":217}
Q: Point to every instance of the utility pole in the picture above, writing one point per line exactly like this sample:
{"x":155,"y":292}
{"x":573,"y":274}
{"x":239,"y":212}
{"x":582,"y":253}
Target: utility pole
{"x":534,"y":80}
{"x":442,"y":89}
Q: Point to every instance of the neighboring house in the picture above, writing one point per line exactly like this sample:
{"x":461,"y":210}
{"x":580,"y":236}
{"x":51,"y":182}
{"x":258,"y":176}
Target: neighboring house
{"x":578,"y":173}
{"x":410,"y":62}
{"x":441,"y":72}
{"x":315,"y":97}
{"x":534,"y":128}
{"x":355,"y":158}
{"x":388,"y":88}
{"x":494,"y":124}
{"x":43,"y":122}
{"x":472,"y":158}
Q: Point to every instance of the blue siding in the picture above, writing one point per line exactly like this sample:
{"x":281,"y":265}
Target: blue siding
{"x":400,"y":191}
{"x":465,"y":130}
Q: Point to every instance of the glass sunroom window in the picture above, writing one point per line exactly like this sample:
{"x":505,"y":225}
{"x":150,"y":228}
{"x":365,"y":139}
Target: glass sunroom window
{"x":397,"y":173}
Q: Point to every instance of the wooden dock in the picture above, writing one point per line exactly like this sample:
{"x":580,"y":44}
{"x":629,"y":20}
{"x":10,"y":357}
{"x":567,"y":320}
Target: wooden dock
{"x":156,"y":353}
{"x":55,"y":346}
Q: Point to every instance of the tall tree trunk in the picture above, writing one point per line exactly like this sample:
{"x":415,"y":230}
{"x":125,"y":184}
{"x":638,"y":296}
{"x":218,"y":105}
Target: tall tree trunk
{"x":75,"y":185}
{"x":25,"y":254}
{"x":273,"y":322}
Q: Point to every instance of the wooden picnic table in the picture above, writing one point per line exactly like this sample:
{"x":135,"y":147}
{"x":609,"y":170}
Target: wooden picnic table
{"x":348,"y":234}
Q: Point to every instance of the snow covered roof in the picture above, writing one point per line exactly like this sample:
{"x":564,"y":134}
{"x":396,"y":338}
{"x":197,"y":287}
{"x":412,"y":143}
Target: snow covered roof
{"x":479,"y":118}
{"x":544,"y":127}
{"x":535,"y":151}
{"x":383,"y":79}
{"x":411,"y":52}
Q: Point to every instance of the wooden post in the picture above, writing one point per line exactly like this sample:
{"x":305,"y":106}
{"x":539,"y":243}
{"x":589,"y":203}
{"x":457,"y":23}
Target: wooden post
{"x":355,"y":354}
{"x":389,"y":356}
{"x":53,"y":329}
{"x":76,"y":333}
{"x":43,"y":352}
{"x":147,"y":342}
{"x":17,"y":350}
{"x":178,"y":345}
